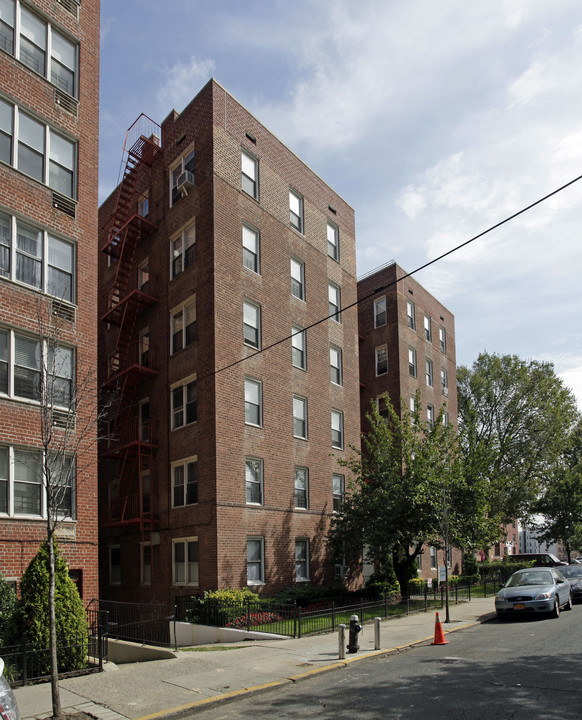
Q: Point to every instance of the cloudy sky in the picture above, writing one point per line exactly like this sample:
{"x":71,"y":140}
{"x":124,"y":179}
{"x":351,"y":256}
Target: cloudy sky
{"x":434,"y":120}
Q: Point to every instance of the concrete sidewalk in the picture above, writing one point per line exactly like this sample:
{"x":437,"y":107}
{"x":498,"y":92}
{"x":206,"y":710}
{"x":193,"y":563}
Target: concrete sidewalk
{"x":197,"y":679}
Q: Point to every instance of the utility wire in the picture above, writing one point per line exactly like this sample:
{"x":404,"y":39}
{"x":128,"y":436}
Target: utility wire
{"x":393,"y":282}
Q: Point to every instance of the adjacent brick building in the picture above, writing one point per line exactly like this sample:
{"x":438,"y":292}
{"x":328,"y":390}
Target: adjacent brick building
{"x":407,"y":344}
{"x":221,"y":465}
{"x":49,"y":73}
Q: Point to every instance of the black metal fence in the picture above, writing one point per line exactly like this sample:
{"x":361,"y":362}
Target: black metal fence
{"x":139,"y":622}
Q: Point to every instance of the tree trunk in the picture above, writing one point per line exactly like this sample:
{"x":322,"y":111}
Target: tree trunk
{"x":56,"y":697}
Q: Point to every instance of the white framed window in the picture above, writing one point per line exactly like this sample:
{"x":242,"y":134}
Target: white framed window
{"x":302,"y":560}
{"x":380,"y":312}
{"x":443,"y":339}
{"x":183,"y":249}
{"x":253,"y":402}
{"x":444,"y":381}
{"x":184,"y":403}
{"x":250,"y":174}
{"x":338,"y":492}
{"x":296,"y":211}
{"x":143,"y":204}
{"x":146,"y":563}
{"x":299,"y":417}
{"x":144,"y":347}
{"x":410,"y":314}
{"x":429,"y":373}
{"x":381,"y":360}
{"x":185,"y":561}
{"x":335,"y":365}
{"x":433,"y":557}
{"x":143,"y":276}
{"x":301,"y":488}
{"x":412,"y":362}
{"x":114,"y":565}
{"x":298,"y":350}
{"x":33,"y":257}
{"x":183,"y":322}
{"x":297,"y":279}
{"x":7,"y":22}
{"x":255,"y":561}
{"x":412,"y":403}
{"x":445,"y":418}
{"x":337,"y":429}
{"x":254,"y":481}
{"x":333,"y":241}
{"x":334,"y":296}
{"x":250,"y":242}
{"x":427,"y":329}
{"x":252,"y":324}
{"x":430,"y":416}
{"x":185,"y":482}
{"x":182,"y":176}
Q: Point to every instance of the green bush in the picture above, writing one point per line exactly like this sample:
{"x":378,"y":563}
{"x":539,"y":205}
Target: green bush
{"x":499,"y":570}
{"x":231,"y":595}
{"x":469,"y":564}
{"x":304,"y":594}
{"x":31,"y":617}
{"x":7,"y":606}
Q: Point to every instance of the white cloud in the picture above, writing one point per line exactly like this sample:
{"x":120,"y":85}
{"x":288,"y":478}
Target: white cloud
{"x":181,"y":82}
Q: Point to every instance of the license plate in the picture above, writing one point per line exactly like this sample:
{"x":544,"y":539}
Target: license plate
{"x":519,"y":606}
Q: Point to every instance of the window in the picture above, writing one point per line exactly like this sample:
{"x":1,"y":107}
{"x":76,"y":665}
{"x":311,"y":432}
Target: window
{"x":430,"y":416}
{"x":333,"y":241}
{"x":338,"y":492}
{"x":297,"y":279}
{"x":185,"y":483}
{"x":253,"y":402}
{"x":182,"y":177}
{"x":383,"y":406}
{"x":302,"y":560}
{"x":60,"y":372}
{"x":410,"y":314}
{"x":252,"y":324}
{"x":299,"y":417}
{"x":184,"y":325}
{"x":334,"y":302}
{"x":412,"y":404}
{"x":301,"y":487}
{"x":185,"y":561}
{"x":299,"y":357}
{"x":381,"y":360}
{"x":146,"y":563}
{"x":40,"y":152}
{"x":443,"y":339}
{"x":250,"y":241}
{"x":337,"y":429}
{"x":7,"y":26}
{"x":427,"y":328}
{"x":255,"y":561}
{"x":143,"y":205}
{"x":144,"y":348}
{"x":445,"y":381}
{"x":254,"y":481}
{"x":429,"y":373}
{"x":184,"y":404}
{"x":380,"y":312}
{"x":296,"y":211}
{"x":445,"y":417}
{"x":412,"y":362}
{"x":183,"y":250}
{"x":114,"y":565}
{"x":335,"y":365}
{"x":250,"y":174}
{"x":143,"y":276}
{"x":433,"y":557}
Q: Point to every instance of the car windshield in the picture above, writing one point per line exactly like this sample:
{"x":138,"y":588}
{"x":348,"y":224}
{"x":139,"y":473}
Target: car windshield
{"x":536,"y":577}
{"x":571,"y":571}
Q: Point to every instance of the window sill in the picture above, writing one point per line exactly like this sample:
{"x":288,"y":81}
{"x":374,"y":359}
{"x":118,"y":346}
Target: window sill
{"x":255,"y":583}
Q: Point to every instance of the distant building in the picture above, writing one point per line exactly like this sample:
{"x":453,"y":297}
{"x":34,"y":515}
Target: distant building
{"x":49,"y":76}
{"x":222,"y":465}
{"x":407,"y":344}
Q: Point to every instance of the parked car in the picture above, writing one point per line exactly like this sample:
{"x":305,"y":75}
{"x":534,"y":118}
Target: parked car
{"x":8,"y":706}
{"x":573,"y":574}
{"x":536,"y":590}
{"x":541,"y":559}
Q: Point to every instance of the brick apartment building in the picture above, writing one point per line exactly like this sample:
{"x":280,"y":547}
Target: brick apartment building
{"x":220,"y":469}
{"x":49,"y":72}
{"x":407,"y":344}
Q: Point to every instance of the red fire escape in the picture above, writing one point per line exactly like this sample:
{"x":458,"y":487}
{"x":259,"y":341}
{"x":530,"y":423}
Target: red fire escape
{"x":131,"y":437}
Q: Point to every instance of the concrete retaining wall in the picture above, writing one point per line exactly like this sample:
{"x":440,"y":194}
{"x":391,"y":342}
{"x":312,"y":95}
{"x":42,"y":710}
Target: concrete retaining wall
{"x":188,"y":634}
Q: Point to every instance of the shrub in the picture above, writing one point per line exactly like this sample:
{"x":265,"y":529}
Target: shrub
{"x":304,"y":595}
{"x":242,"y":622}
{"x":31,"y":616}
{"x":231,"y":595}
{"x":7,"y":606}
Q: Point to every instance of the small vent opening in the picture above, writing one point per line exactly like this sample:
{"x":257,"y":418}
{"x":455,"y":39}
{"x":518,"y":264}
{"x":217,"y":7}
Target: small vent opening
{"x":66,"y":102}
{"x":64,"y":310}
{"x":62,"y":419}
{"x":64,"y":204}
{"x":71,"y":6}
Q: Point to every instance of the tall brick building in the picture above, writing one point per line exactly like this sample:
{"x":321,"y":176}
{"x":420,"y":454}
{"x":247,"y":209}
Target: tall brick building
{"x":49,"y":72}
{"x":407,"y":344}
{"x":221,"y":466}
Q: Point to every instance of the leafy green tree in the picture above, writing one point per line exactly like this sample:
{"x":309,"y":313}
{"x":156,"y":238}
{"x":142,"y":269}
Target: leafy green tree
{"x":561,"y":503}
{"x":7,"y":606}
{"x":515,"y":417}
{"x":406,"y":489}
{"x":31,"y":616}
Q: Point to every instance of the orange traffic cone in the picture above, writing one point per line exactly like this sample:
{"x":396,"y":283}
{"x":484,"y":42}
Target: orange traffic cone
{"x":439,"y":636}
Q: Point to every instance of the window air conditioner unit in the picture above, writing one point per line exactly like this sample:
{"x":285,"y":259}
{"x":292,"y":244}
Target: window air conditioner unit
{"x":185,"y":181}
{"x":445,"y":391}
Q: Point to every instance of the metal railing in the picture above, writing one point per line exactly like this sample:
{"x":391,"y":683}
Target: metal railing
{"x":139,"y":622}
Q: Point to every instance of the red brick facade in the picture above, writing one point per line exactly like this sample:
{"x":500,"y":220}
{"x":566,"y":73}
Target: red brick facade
{"x":55,"y":95}
{"x":233,"y":538}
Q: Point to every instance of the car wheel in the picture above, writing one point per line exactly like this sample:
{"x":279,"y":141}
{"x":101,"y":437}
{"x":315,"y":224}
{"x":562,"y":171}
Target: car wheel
{"x":556,"y":610}
{"x":568,"y":605}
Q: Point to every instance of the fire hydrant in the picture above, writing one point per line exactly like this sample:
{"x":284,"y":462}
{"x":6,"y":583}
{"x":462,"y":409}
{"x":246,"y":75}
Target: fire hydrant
{"x":355,"y":628}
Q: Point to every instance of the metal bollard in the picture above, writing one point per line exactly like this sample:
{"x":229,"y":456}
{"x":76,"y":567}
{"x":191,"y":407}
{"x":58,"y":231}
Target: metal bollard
{"x":377,"y":622}
{"x":355,"y":628}
{"x":341,"y":632}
